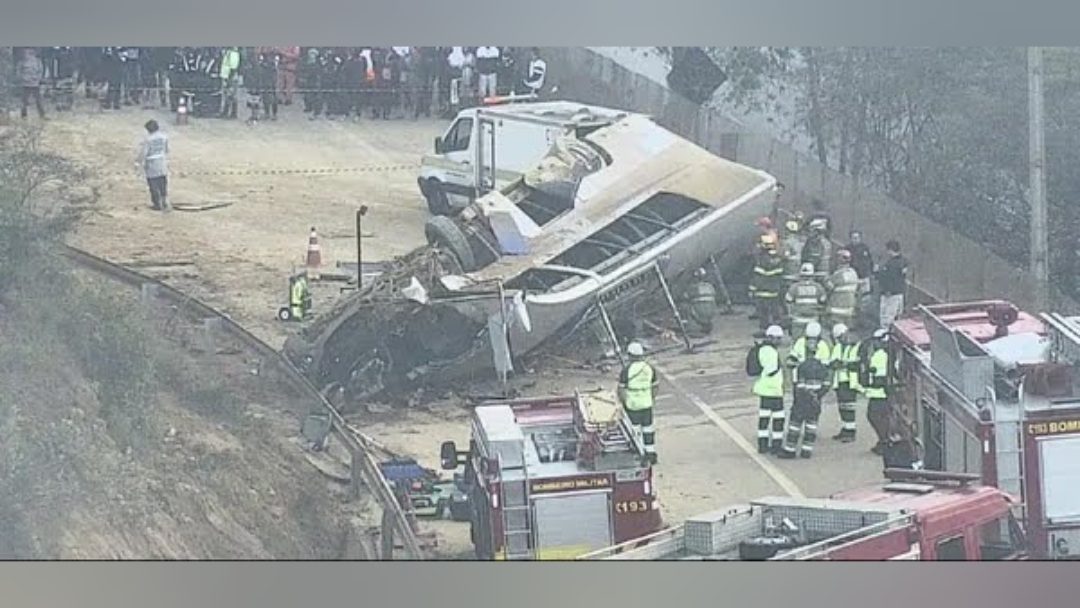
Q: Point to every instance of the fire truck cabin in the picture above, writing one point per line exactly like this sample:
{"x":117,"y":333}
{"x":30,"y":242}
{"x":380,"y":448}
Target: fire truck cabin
{"x":555,"y":478}
{"x":991,"y":390}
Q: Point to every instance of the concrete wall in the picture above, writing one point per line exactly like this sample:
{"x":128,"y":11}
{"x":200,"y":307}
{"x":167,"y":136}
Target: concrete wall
{"x":946,"y":265}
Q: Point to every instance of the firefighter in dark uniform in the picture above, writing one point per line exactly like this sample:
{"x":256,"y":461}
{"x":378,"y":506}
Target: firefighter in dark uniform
{"x":637,"y":391}
{"x":767,"y":285}
{"x":112,"y":71}
{"x":813,"y":381}
{"x":701,"y":301}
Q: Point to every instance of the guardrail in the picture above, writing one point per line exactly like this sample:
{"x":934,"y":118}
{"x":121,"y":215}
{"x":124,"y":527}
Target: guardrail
{"x":364,"y":470}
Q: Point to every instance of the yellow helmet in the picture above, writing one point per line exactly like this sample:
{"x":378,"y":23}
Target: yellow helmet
{"x":792,"y":226}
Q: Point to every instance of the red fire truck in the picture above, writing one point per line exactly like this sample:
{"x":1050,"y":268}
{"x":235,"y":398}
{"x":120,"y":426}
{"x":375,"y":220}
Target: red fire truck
{"x":994,"y":391}
{"x":914,"y":515}
{"x":554,"y":478}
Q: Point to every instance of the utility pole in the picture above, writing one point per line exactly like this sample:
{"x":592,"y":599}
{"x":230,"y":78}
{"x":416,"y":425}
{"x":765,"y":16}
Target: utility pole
{"x":1037,"y":178}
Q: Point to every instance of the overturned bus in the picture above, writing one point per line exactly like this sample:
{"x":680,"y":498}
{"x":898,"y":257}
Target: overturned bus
{"x":610,"y":215}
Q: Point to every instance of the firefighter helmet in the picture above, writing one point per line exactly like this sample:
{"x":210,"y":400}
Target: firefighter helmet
{"x":635,"y":349}
{"x":839,"y":330}
{"x":807,"y":269}
{"x":844,"y":255}
{"x":818,"y":224}
{"x":813,"y":329}
{"x":774,"y":331}
{"x":792,"y":226}
{"x":880,"y":334}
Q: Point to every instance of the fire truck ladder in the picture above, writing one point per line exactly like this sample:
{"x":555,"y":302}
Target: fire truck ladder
{"x":516,"y":517}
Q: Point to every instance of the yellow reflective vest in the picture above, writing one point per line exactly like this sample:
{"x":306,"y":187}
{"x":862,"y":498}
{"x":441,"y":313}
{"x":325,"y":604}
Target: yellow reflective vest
{"x":879,"y":373}
{"x":639,"y":380}
{"x":771,"y":381}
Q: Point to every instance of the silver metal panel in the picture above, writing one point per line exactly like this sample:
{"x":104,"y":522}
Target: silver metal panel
{"x":719,"y":532}
{"x":499,"y":429}
{"x":575,"y":520}
{"x":1060,"y":459}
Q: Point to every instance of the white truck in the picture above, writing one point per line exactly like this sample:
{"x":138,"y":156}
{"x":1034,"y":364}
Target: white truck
{"x":489,"y":147}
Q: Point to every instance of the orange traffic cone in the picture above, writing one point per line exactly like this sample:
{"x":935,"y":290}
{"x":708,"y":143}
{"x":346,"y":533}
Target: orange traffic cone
{"x":314,"y":255}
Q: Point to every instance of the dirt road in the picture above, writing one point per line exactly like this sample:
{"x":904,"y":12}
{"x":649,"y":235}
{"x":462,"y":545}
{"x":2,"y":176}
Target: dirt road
{"x":238,"y":258}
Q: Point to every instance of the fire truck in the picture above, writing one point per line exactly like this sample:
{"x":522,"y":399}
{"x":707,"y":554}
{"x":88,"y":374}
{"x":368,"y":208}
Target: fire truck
{"x":914,"y":515}
{"x":990,"y":390}
{"x":554,"y":478}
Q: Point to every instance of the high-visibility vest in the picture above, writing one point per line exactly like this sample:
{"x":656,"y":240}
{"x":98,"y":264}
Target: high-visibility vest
{"x":299,"y":292}
{"x":879,"y":366}
{"x":639,"y":386}
{"x":845,"y":359}
{"x":771,"y":381}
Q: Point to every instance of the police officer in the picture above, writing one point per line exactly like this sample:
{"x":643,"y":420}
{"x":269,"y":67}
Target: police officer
{"x":843,"y":287}
{"x":805,"y":299}
{"x":811,"y":385}
{"x":876,"y":376}
{"x":769,"y":388}
{"x":701,"y":297}
{"x":845,"y":364}
{"x":637,"y":391}
{"x":766,"y":284}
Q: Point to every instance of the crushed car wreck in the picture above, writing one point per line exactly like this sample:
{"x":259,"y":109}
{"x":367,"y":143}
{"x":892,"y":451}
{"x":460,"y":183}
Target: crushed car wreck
{"x":599,"y":222}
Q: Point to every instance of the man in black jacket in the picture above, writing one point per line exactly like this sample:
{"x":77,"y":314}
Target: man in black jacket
{"x":892,"y":283}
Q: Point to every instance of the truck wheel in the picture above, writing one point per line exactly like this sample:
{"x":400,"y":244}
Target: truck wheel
{"x":437,"y":201}
{"x":444,"y":234}
{"x":284,"y":314}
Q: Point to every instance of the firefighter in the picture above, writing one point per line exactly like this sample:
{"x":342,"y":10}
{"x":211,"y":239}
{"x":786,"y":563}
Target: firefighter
{"x":845,"y":365}
{"x":875,"y":380}
{"x":805,"y":299}
{"x":637,"y":390}
{"x":810,"y":386}
{"x":843,"y":288}
{"x":769,"y":388}
{"x":793,"y":246}
{"x":810,"y":343}
{"x":701,"y":297}
{"x":766,"y":285}
{"x":299,"y":297}
{"x":818,"y":249}
{"x":768,"y":235}
{"x":63,"y":70}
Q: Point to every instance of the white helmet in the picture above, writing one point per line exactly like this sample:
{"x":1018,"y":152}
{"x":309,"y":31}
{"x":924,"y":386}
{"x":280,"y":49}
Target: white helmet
{"x":774,"y":331}
{"x":807,"y":269}
{"x":880,"y":334}
{"x":813,"y":329}
{"x":838,"y":330}
{"x":635,"y":349}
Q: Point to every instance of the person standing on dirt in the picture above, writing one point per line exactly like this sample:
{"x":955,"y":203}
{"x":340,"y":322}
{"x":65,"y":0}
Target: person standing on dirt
{"x":30,"y":72}
{"x":153,"y":160}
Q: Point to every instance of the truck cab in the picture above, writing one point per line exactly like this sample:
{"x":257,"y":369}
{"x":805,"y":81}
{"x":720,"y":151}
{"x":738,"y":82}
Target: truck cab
{"x":489,"y":147}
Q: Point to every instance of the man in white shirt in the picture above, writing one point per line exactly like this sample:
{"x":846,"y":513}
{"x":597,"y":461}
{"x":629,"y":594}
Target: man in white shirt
{"x":153,"y":160}
{"x":456,"y":60}
{"x":487,"y":65}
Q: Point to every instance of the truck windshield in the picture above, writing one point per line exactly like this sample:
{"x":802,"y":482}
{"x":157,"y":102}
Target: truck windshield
{"x":999,"y":539}
{"x":457,"y":138}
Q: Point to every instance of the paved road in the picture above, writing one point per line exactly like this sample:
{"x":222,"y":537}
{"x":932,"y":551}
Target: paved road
{"x":706,"y":422}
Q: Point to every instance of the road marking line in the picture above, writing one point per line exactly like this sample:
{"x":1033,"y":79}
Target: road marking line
{"x":770,"y":469}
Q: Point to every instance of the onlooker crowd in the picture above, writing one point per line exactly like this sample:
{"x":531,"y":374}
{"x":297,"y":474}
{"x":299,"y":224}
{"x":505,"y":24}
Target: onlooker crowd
{"x":332,"y":82}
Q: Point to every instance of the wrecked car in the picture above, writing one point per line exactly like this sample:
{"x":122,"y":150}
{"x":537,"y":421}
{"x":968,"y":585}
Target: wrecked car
{"x":604,"y":219}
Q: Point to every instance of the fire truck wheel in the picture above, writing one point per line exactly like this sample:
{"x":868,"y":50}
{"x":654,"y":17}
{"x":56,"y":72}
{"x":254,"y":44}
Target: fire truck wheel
{"x":444,"y":234}
{"x":437,"y":201}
